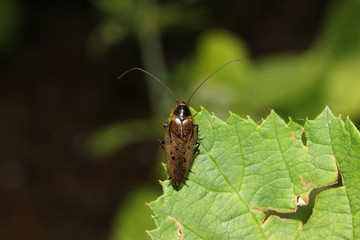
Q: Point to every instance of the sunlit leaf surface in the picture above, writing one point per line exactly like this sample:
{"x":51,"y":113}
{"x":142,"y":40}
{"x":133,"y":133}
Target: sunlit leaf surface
{"x":245,"y":168}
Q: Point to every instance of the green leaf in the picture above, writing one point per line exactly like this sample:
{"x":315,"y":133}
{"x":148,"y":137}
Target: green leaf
{"x":243,"y":169}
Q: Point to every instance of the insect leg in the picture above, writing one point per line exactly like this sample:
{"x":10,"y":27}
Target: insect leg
{"x":197,"y":143}
{"x":162,"y":143}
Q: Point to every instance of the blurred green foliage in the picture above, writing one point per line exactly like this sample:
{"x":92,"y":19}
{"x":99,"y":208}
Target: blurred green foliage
{"x":296,"y":84}
{"x":107,"y":140}
{"x":142,"y":17}
{"x":133,"y":216}
{"x":10,"y":19}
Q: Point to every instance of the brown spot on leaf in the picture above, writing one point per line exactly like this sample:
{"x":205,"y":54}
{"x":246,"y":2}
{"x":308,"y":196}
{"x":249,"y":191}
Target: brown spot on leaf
{"x":292,"y":134}
{"x":304,"y":182}
{"x":179,"y":230}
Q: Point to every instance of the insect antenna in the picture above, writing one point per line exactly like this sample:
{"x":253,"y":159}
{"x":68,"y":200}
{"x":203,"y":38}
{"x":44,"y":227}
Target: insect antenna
{"x":217,"y":70}
{"x":151,"y":75}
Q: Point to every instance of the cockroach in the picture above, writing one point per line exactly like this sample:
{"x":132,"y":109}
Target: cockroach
{"x":181,"y":141}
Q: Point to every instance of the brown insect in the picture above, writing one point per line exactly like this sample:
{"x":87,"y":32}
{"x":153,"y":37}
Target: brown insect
{"x":181,"y":141}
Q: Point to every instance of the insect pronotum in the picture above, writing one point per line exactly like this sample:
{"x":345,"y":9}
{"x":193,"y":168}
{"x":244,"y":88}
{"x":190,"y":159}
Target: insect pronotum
{"x":181,"y":133}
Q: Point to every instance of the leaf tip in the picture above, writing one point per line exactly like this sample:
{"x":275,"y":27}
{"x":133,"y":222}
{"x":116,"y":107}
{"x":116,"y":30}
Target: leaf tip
{"x":327,"y":110}
{"x":162,"y":182}
{"x":164,"y":165}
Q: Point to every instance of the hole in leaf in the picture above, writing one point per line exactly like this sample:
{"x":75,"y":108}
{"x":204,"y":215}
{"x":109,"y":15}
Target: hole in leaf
{"x":304,"y":212}
{"x":304,"y":138}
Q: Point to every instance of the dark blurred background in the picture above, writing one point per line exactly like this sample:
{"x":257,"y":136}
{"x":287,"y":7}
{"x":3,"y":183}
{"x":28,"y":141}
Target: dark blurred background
{"x":79,"y":156}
